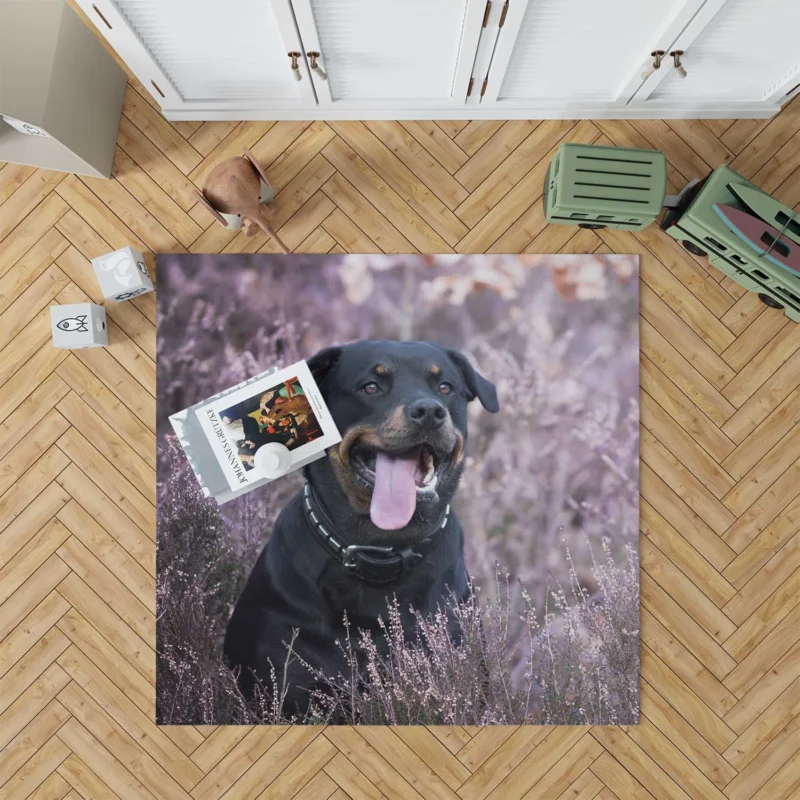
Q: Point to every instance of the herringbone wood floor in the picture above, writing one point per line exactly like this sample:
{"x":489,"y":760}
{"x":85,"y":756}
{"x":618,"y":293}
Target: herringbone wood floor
{"x":720,"y":474}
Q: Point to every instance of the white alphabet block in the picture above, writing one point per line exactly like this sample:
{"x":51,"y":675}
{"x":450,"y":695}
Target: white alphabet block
{"x":122,"y":274}
{"x":79,"y":325}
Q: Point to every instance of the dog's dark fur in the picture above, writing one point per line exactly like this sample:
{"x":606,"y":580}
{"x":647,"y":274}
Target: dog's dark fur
{"x":295,"y":582}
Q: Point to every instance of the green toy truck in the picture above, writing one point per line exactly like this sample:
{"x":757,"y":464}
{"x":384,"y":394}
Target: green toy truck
{"x":614,"y":187}
{"x":702,"y":232}
{"x":605,"y":187}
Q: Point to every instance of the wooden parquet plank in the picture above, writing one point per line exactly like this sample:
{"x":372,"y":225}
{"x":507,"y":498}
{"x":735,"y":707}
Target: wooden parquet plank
{"x":759,"y":698}
{"x":689,"y":743}
{"x":664,"y":428}
{"x":297,"y":155}
{"x":437,"y":143}
{"x":764,"y":473}
{"x":776,"y":644}
{"x":30,"y":630}
{"x":681,"y":516}
{"x":209,"y":135}
{"x":766,"y":617}
{"x":586,"y":787}
{"x":502,"y":180}
{"x":502,"y":204}
{"x":393,"y":189}
{"x":774,"y":572}
{"x":301,"y":770}
{"x":497,"y":148}
{"x":419,"y":161}
{"x":99,"y":542}
{"x":236,"y":763}
{"x":700,"y":139}
{"x":109,"y":516}
{"x":421,"y":776}
{"x":768,"y":725}
{"x":152,"y":160}
{"x":135,"y":737}
{"x":622,"y":784}
{"x":26,"y":198}
{"x":98,"y":759}
{"x":30,"y":557}
{"x":681,"y":409}
{"x":766,"y":509}
{"x":83,"y":781}
{"x":154,"y":199}
{"x":108,"y":478}
{"x":12,"y":176}
{"x":32,"y":737}
{"x":684,"y":375}
{"x":673,"y":761}
{"x":108,"y":587}
{"x":159,"y":131}
{"x":681,"y":554}
{"x":720,"y":474}
{"x":31,"y":230}
{"x":677,"y":585}
{"x":116,"y":448}
{"x":692,"y":689}
{"x":434,"y":754}
{"x":31,"y":702}
{"x":374,"y":227}
{"x":372,"y":764}
{"x":537,"y":775}
{"x":351,"y":782}
{"x":18,"y":279}
{"x":502,"y":760}
{"x":90,"y":605}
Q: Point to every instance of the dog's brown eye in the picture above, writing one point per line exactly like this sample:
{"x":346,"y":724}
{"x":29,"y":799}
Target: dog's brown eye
{"x":370,"y":388}
{"x":445,"y":387}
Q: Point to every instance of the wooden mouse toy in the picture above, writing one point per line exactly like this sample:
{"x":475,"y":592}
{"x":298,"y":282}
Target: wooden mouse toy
{"x":234,"y":194}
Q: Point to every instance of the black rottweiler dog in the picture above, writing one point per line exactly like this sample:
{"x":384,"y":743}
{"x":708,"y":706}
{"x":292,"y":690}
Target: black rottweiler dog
{"x":373,"y":521}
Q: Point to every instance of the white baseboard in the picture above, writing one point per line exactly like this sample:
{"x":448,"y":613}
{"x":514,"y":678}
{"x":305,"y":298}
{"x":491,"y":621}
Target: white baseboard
{"x":716,"y":111}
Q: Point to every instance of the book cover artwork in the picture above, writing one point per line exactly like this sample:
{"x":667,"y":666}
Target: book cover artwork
{"x":222,"y":436}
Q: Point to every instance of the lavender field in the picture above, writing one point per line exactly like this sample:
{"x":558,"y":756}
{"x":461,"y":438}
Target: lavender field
{"x":548,"y":499}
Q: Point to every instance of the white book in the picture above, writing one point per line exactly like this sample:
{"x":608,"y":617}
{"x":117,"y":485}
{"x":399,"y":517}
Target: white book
{"x":252,"y":433}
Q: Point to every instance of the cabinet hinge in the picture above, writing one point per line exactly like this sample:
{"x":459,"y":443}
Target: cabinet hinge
{"x":483,"y":88}
{"x":469,"y":88}
{"x":503,"y":15}
{"x":487,"y":12}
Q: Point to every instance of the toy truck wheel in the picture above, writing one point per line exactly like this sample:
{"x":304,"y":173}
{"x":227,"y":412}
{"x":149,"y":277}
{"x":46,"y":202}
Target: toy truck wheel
{"x":590,"y":226}
{"x":693,"y":248}
{"x":769,"y":301}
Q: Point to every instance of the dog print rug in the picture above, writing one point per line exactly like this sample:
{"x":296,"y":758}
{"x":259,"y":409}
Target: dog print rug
{"x":464,"y":551}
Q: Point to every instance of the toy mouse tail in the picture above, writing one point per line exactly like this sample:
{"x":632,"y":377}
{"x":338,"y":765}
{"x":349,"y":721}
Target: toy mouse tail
{"x":268,"y":229}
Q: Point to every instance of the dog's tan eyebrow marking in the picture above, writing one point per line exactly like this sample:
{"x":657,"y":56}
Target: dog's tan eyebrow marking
{"x":380,"y":369}
{"x":435,"y":370}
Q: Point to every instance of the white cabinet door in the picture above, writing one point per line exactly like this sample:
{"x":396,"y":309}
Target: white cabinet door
{"x":383,"y":54}
{"x":564,"y":54}
{"x":744,"y":51}
{"x":221,"y":54}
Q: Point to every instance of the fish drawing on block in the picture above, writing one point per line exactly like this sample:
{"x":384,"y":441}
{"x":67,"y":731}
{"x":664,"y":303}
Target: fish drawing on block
{"x":77,"y":324}
{"x":767,"y":241}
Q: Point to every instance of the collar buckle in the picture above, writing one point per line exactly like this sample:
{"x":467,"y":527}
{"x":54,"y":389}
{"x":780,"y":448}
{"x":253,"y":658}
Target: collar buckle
{"x":349,"y":553}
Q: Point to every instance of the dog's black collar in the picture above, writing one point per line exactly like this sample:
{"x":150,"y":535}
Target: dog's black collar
{"x":367,"y":562}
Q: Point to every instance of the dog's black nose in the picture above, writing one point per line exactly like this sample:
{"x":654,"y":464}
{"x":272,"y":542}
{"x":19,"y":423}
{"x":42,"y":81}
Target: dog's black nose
{"x":427,"y":413}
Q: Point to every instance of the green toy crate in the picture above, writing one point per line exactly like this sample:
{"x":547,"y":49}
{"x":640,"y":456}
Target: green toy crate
{"x":702,"y":232}
{"x":605,"y":187}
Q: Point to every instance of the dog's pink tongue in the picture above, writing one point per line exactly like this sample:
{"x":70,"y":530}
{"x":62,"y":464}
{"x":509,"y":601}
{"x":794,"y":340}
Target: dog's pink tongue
{"x":394,"y":497}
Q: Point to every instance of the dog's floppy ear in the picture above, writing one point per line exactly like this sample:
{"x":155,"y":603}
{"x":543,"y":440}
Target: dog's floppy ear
{"x":477,"y":385}
{"x":322,"y":363}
